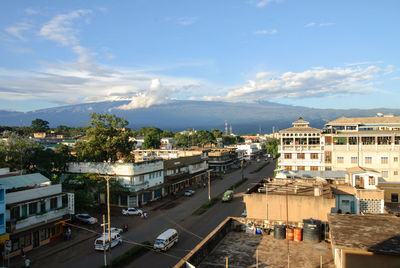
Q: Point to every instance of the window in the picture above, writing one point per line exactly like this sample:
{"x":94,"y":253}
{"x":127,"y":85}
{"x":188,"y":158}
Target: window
{"x":384,"y":140}
{"x":288,"y":156}
{"x":53,"y":203}
{"x":340,"y":159}
{"x":395,"y":198}
{"x":313,"y":140}
{"x":351,"y":127}
{"x":371,"y":180}
{"x":42,"y":206}
{"x":314,"y":156}
{"x":384,"y":160}
{"x":301,"y":156}
{"x":395,"y":173}
{"x":328,"y":157}
{"x":25,"y":240}
{"x":15,"y":212}
{"x":287,"y":141}
{"x":395,"y":159}
{"x":328,"y":140}
{"x":14,"y":244}
{"x":313,"y":168}
{"x":301,"y":141}
{"x":32,"y":208}
{"x":353,"y":140}
{"x":368,"y":140}
{"x":368,"y":160}
{"x":354,"y":159}
{"x":328,"y":168}
{"x":288,"y":168}
{"x":397,"y":140}
{"x":44,"y":234}
{"x":24,"y":210}
{"x":340,"y":140}
{"x":300,"y":168}
{"x":385,"y":173}
{"x":345,"y":202}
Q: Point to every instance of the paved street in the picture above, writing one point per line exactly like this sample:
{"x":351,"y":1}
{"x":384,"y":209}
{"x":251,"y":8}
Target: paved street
{"x":177,"y":214}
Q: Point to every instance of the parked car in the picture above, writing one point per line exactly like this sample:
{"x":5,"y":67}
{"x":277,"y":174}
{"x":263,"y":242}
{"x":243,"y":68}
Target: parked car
{"x":86,"y":218}
{"x":114,"y":230}
{"x":189,"y":192}
{"x":99,"y":243}
{"x":228,"y":196}
{"x":132,"y":211}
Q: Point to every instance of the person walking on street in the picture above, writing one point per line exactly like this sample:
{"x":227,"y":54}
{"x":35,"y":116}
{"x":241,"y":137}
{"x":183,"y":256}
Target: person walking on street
{"x":27,"y":262}
{"x":68,"y":233}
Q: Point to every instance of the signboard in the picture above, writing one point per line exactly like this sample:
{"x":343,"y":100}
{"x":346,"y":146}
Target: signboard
{"x":8,"y":245}
{"x":71,"y":203}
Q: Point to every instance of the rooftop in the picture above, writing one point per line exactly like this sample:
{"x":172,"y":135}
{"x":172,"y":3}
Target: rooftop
{"x":372,"y":233}
{"x":366,"y":120}
{"x":24,"y":181}
{"x":360,"y":169}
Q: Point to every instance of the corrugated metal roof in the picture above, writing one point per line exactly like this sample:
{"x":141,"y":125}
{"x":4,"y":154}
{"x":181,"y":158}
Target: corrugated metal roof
{"x":24,"y":180}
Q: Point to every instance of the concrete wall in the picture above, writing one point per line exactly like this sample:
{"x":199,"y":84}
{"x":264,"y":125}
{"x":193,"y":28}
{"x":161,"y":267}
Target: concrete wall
{"x":35,"y":193}
{"x":369,"y":260}
{"x":300,"y":207}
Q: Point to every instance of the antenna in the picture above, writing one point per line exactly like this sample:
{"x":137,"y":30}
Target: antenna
{"x":226,"y":127}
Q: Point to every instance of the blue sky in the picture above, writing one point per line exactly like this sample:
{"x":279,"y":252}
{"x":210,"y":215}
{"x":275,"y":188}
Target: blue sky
{"x":324,"y":54}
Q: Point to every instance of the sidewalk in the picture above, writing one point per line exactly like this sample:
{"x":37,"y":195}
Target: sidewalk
{"x":40,"y":253}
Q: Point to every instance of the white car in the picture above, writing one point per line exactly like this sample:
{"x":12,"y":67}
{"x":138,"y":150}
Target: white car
{"x":132,"y":211}
{"x":114,"y":230}
{"x":189,"y":192}
{"x":86,"y":218}
{"x":100,"y":244}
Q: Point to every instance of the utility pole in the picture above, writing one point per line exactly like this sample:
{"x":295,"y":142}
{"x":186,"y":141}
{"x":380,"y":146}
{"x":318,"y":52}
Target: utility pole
{"x":287,"y":225}
{"x":242,"y":164}
{"x":109,"y":220}
{"x":209,"y":186}
{"x":104,"y":240}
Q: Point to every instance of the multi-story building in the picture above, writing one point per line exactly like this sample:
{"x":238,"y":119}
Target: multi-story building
{"x":301,"y":147}
{"x":35,"y":211}
{"x":221,"y":160}
{"x":372,"y":142}
{"x":250,"y":150}
{"x":183,"y":172}
{"x":144,"y":180}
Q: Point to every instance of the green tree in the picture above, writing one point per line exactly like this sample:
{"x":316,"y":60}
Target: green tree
{"x":217,"y":133}
{"x":167,"y":134}
{"x":106,"y":139}
{"x":271,"y":146}
{"x":152,"y":140}
{"x":228,"y":140}
{"x":182,"y":140}
{"x":39,"y":125}
{"x":205,"y":137}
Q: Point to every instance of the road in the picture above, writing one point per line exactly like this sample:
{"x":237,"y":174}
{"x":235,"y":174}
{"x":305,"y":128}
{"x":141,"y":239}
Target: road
{"x":191,"y":228}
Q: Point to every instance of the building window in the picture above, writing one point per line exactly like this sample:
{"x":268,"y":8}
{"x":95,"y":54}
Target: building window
{"x":328,"y":157}
{"x":368,"y":160}
{"x":340,"y":159}
{"x":314,"y":156}
{"x":301,"y":156}
{"x":300,"y":141}
{"x":354,"y":159}
{"x":32,"y":208}
{"x":328,"y":140}
{"x":288,"y":168}
{"x":395,"y":173}
{"x":353,"y":140}
{"x":340,"y":140}
{"x":368,"y":140}
{"x":384,"y":160}
{"x":345,"y":203}
{"x":44,"y":234}
{"x":53,"y":203}
{"x":14,"y":213}
{"x":300,"y":168}
{"x":313,"y":168}
{"x":385,"y":173}
{"x":384,"y":140}
{"x":395,"y":198}
{"x":288,"y":156}
{"x":395,"y":159}
{"x":371,"y":180}
{"x":397,"y":140}
{"x":287,"y":141}
{"x":313,"y":140}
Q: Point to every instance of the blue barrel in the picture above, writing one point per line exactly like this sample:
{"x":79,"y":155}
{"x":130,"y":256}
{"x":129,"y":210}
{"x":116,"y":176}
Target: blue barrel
{"x":280,"y":232}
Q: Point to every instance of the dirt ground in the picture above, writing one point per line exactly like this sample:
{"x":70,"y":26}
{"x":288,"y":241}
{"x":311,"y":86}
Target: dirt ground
{"x":241,"y":249}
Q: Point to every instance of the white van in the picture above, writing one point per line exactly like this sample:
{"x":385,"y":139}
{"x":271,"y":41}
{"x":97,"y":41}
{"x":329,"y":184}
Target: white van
{"x":166,"y":240}
{"x":116,"y":239}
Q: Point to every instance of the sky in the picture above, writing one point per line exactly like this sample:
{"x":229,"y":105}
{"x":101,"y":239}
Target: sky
{"x":322,"y":54}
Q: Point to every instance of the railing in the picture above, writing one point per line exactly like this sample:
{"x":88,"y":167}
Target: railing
{"x":32,"y":220}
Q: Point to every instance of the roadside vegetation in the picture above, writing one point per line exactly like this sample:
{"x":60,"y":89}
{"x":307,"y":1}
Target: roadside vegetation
{"x":130,"y":255}
{"x":260,"y":168}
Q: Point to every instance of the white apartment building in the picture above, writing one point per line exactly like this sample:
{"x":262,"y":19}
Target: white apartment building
{"x":370,"y":142}
{"x":143,"y":179}
{"x":301,"y":147}
{"x":249,"y":150}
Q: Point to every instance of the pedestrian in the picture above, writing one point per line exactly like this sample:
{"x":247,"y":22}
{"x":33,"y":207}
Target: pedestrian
{"x":126,"y":228}
{"x":22,"y":252}
{"x":145,"y":215}
{"x":27,"y":262}
{"x":68,"y":233}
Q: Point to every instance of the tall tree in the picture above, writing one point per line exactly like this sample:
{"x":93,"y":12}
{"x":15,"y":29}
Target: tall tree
{"x":217,"y":133}
{"x":271,"y":146}
{"x":106,"y":139}
{"x":151,"y":140}
{"x":39,"y":125}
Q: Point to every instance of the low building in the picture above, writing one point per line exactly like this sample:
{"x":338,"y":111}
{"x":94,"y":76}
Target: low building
{"x":221,"y":160}
{"x":36,"y":211}
{"x":391,"y":192}
{"x":143,"y":180}
{"x":151,"y":154}
{"x":365,"y":240}
{"x":183,"y":172}
{"x":251,"y":150}
{"x":302,"y":199}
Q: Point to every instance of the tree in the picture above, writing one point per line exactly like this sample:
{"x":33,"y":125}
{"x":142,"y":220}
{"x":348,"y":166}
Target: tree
{"x":271,"y":146}
{"x":217,"y":133}
{"x":151,"y":140}
{"x":167,"y":134}
{"x":106,"y":139}
{"x":228,"y":140}
{"x":205,"y":137}
{"x":39,"y":125}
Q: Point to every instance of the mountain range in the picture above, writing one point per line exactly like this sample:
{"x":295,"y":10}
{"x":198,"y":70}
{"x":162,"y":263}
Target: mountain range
{"x":179,"y":115}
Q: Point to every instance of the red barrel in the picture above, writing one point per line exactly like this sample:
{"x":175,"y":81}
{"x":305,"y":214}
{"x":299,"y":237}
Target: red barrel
{"x":298,"y":234}
{"x":289,"y":233}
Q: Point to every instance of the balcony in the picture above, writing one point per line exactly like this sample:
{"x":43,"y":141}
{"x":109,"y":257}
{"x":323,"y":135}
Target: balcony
{"x":37,"y":219}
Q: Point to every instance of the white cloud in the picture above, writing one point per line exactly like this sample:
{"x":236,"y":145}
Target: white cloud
{"x":59,"y":28}
{"x":185,"y":21}
{"x":31,"y":11}
{"x":311,"y":83}
{"x":264,"y":74}
{"x":262,"y":32}
{"x":325,"y":24}
{"x":17,"y":30}
{"x":264,"y":3}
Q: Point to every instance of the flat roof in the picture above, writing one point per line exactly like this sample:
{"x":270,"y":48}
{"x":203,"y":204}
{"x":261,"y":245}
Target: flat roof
{"x":366,"y":120}
{"x":372,"y":233}
{"x":23,"y":180}
{"x":326,"y":174}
